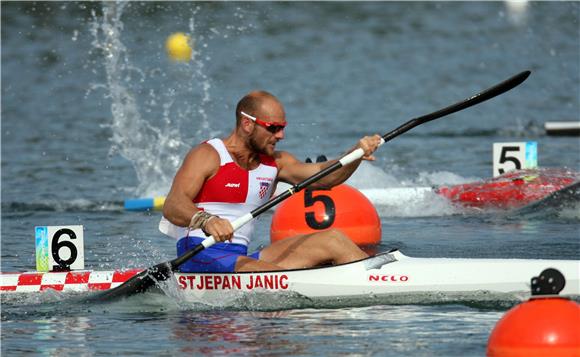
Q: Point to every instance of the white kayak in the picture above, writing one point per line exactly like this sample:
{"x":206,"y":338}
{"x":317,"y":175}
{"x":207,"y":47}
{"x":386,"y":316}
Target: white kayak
{"x":385,"y":275}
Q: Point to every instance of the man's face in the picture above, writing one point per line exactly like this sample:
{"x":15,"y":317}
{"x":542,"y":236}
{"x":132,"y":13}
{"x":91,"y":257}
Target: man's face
{"x":266,"y":135}
{"x":269,"y":123}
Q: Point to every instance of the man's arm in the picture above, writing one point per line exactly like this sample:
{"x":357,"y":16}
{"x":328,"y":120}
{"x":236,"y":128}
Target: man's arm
{"x":293,"y":171}
{"x":200,"y":164}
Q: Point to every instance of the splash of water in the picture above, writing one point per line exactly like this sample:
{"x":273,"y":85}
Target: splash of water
{"x":154,"y":146}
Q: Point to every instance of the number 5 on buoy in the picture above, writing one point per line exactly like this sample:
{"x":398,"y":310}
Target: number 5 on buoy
{"x":59,"y":248}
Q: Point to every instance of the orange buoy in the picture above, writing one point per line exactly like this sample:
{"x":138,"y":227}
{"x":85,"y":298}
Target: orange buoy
{"x":541,"y":326}
{"x":342,"y":207}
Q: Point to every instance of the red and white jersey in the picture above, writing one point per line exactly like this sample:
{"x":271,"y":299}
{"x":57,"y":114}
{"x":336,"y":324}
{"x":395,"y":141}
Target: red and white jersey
{"x":231,"y":193}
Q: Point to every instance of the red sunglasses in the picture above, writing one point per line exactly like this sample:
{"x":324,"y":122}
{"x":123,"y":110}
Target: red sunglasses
{"x":271,"y":127}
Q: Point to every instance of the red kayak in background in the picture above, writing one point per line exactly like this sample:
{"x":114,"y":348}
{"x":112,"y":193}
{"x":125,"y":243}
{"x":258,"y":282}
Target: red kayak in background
{"x":510,"y":190}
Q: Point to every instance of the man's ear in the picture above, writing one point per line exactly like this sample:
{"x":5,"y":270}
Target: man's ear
{"x":247,"y":126}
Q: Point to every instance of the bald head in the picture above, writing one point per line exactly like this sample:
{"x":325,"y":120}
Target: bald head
{"x":260,"y":104}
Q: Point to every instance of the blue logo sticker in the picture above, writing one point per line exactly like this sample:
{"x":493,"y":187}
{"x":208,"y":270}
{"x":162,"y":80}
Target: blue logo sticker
{"x":531,"y":154}
{"x":41,"y":235}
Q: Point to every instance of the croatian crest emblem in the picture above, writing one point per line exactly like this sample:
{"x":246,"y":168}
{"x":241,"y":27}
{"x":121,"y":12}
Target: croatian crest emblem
{"x":264,"y":186}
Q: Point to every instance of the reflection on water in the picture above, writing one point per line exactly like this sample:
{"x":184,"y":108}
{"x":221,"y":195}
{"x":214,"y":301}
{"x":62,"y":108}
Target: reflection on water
{"x":334,"y":329}
{"x":226,"y":333}
{"x":52,"y":329}
{"x":45,"y":336}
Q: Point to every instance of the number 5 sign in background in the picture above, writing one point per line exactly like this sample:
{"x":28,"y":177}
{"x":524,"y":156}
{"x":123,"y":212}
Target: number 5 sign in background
{"x":514,"y":156}
{"x":59,"y":248}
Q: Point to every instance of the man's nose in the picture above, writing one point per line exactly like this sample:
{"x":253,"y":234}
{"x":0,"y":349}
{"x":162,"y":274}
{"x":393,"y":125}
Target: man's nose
{"x":279,"y":134}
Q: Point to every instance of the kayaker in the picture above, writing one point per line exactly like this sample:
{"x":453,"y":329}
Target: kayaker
{"x":222,"y":179}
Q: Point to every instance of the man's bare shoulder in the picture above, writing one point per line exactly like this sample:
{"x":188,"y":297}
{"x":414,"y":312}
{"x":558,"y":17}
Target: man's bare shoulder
{"x":202,"y":157}
{"x":203,"y":150}
{"x":284,"y":157}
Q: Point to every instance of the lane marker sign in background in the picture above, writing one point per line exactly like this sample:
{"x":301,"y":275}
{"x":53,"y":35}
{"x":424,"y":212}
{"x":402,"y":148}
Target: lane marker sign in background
{"x":514,"y":156}
{"x":59,"y":248}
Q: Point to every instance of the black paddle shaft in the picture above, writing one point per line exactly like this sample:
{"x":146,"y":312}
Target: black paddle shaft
{"x":161,"y":272}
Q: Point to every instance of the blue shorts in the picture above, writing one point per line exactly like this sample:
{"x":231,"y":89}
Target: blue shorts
{"x":219,"y":258}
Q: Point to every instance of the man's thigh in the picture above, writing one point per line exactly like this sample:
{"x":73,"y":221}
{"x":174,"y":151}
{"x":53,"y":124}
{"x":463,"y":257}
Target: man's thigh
{"x":302,"y":251}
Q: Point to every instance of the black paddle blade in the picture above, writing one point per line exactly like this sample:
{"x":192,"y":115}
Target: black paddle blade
{"x":487,"y":94}
{"x":139,"y":283}
{"x":146,"y":279}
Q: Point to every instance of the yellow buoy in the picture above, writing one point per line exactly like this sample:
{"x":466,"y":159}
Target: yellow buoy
{"x":178,"y":47}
